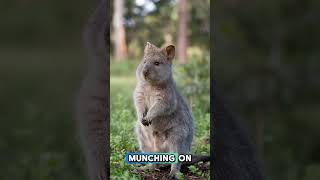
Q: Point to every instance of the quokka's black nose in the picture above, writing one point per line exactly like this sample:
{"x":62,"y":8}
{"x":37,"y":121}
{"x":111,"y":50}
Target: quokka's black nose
{"x":146,"y":73}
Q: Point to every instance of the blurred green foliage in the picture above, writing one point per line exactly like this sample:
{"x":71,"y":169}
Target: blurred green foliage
{"x":194,"y":82}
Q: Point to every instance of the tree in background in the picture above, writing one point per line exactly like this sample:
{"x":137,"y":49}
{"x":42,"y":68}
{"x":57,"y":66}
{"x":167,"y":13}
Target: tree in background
{"x":158,"y":22}
{"x":182,"y":41}
{"x":120,"y":46}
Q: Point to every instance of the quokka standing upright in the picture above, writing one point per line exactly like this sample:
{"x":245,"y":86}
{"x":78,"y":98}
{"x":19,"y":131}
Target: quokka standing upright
{"x":165,"y":122}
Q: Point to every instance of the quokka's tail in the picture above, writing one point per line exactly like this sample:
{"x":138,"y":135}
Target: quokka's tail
{"x":92,"y":101}
{"x":195,"y":159}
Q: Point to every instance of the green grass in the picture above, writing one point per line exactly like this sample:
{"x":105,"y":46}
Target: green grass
{"x":123,"y":119}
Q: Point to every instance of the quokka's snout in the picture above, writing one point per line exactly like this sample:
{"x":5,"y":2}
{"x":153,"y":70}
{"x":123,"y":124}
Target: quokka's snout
{"x":145,"y":72}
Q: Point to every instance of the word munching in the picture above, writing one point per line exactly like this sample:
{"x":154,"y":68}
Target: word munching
{"x":157,"y":158}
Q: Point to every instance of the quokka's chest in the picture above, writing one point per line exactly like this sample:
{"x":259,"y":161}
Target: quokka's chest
{"x":152,"y":97}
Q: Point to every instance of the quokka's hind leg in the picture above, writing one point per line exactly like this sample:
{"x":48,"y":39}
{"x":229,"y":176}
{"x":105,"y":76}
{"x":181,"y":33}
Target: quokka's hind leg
{"x":144,"y":140}
{"x":180,"y":147}
{"x":146,"y":145}
{"x":175,"y":168}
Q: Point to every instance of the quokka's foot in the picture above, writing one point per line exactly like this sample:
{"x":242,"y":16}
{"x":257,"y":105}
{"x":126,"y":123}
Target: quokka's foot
{"x":172,"y":177}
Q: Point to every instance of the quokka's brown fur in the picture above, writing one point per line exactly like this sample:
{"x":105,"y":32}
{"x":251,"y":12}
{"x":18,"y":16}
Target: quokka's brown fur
{"x":165,"y":122}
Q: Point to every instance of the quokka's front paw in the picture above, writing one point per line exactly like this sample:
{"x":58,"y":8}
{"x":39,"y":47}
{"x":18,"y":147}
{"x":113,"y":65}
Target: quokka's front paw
{"x":145,"y":121}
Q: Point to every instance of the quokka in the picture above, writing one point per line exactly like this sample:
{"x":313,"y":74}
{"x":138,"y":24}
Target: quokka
{"x":165,"y":122}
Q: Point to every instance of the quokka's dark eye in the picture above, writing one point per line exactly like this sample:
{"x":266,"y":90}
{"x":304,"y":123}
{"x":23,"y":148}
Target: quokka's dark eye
{"x":156,"y":63}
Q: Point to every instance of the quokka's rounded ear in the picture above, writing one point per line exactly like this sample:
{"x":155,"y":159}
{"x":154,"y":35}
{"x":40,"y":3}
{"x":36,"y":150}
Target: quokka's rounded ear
{"x":148,"y":44}
{"x":169,"y":52}
{"x":147,"y":47}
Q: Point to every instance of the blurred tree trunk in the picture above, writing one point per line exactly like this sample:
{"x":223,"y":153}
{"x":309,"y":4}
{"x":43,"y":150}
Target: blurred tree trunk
{"x":182,"y":31}
{"x":120,"y":46}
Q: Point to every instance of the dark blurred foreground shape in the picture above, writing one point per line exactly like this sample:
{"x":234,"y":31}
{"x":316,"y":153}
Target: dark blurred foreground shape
{"x":42,"y":63}
{"x":93,"y":100}
{"x":267,"y":66}
{"x":234,"y":156}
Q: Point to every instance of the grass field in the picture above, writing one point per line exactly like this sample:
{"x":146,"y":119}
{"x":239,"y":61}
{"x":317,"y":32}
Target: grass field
{"x":123,"y":119}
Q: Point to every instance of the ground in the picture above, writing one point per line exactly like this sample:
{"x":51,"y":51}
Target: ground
{"x":200,"y":171}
